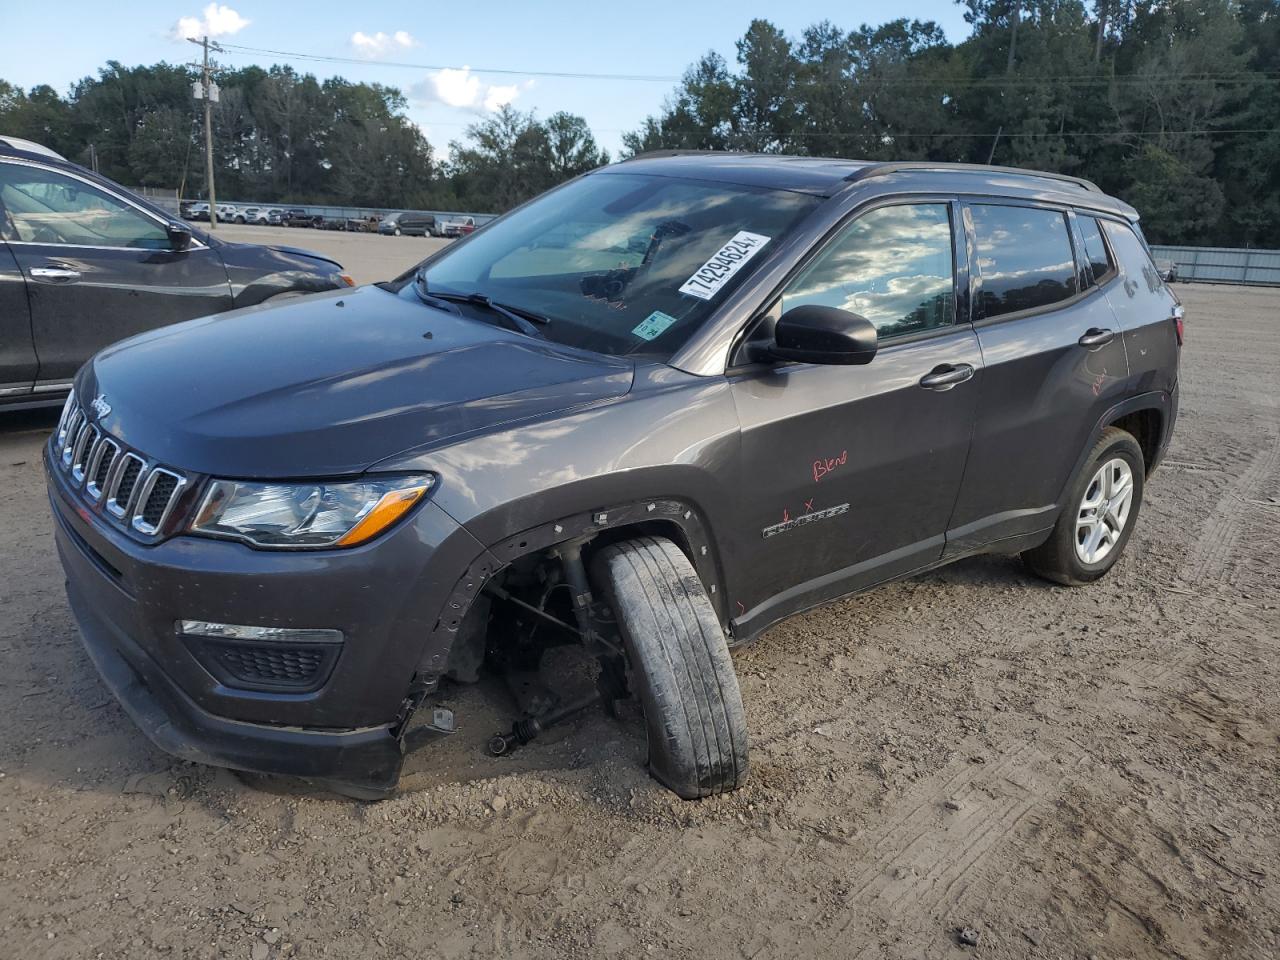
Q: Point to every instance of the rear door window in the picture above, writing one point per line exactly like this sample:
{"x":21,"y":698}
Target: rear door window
{"x":1095,"y":250}
{"x":1025,"y":260}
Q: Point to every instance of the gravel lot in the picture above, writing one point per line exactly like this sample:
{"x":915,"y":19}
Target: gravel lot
{"x":1066,"y":773}
{"x":368,"y":257}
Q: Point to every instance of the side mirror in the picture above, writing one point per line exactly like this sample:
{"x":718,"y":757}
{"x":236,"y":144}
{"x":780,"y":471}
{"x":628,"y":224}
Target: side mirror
{"x":179,"y":236}
{"x":816,"y":334}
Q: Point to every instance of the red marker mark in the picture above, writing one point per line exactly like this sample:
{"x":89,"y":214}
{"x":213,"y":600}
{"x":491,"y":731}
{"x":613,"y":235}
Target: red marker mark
{"x":808,"y":505}
{"x":741,"y":608}
{"x":822,"y":467}
{"x":786,"y":515}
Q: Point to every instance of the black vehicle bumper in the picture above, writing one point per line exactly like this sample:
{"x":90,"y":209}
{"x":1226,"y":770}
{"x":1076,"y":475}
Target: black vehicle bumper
{"x":370,"y":757}
{"x":127,"y":598}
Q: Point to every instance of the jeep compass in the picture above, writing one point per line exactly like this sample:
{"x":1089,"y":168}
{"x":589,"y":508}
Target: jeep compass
{"x":651,"y":413}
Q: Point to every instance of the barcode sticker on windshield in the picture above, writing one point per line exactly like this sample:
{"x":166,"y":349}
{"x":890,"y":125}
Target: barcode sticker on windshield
{"x":728,"y":260}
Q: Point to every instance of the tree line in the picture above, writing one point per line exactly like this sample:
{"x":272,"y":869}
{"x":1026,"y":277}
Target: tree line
{"x":1173,"y":105}
{"x":285,"y":137}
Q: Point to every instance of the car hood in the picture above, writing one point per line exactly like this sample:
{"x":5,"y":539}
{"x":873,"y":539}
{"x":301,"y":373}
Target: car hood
{"x":330,"y":384}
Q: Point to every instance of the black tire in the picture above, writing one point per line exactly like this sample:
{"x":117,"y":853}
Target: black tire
{"x":1056,"y":559}
{"x":396,"y":231}
{"x":679,"y":665}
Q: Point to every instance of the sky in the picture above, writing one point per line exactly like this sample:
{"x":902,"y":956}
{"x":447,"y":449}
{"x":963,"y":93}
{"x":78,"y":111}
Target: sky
{"x":453,"y":50}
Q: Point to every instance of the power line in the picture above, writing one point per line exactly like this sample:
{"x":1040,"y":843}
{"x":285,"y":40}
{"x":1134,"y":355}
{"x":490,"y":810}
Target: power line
{"x":639,"y":77}
{"x":946,"y":83}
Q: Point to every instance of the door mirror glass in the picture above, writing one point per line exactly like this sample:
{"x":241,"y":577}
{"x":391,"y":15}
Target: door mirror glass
{"x":179,"y":236}
{"x":813,"y":333}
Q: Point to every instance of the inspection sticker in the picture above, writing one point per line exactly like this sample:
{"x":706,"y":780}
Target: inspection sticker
{"x":653,"y":324}
{"x":719,"y":270}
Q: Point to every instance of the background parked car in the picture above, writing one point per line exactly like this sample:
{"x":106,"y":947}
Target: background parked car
{"x":197,"y":211}
{"x":256,"y":215}
{"x":409,"y":223}
{"x":297,"y":217}
{"x":457,"y":227}
{"x":227,"y":212}
{"x":84,"y":262}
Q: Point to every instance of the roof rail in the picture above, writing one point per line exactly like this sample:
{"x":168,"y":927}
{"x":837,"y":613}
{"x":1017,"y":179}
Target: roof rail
{"x":655,"y":154}
{"x":884,"y":169}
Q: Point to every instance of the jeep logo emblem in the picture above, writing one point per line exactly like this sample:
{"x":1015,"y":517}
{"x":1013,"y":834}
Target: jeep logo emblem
{"x":100,"y":405}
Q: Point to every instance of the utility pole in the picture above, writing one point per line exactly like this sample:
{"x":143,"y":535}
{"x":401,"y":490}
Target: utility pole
{"x":207,"y":91}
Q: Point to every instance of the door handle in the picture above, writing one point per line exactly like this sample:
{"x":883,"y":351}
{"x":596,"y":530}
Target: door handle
{"x":946,"y":375}
{"x":54,"y":274}
{"x":1096,"y":337}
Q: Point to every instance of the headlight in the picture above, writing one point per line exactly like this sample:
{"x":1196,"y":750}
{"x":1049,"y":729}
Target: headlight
{"x":306,"y":514}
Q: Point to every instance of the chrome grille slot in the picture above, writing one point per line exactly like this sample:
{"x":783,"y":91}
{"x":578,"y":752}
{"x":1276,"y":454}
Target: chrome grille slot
{"x":159,"y":493}
{"x":86,"y":446}
{"x":74,"y":425}
{"x":99,"y":468}
{"x":67,"y":409}
{"x":124,"y":484}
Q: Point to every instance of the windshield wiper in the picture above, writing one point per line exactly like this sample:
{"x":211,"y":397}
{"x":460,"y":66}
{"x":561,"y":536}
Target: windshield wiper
{"x":517,"y":318}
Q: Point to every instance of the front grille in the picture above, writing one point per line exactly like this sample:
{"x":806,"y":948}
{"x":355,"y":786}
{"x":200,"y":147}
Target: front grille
{"x":132,"y":489}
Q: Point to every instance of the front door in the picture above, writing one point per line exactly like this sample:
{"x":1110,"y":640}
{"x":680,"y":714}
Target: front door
{"x":97,"y":268}
{"x":849,"y":473}
{"x":17,"y":354}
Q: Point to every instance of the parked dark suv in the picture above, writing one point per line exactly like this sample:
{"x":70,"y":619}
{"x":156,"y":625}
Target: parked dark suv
{"x":410,"y":223}
{"x":653,"y":412}
{"x":84,"y":262}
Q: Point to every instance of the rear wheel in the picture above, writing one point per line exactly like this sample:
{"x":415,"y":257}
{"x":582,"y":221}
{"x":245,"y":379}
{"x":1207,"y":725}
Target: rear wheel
{"x":1101,"y":512}
{"x":679,"y":665}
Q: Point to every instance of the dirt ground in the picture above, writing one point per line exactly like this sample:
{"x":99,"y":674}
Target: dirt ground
{"x":1067,"y":773}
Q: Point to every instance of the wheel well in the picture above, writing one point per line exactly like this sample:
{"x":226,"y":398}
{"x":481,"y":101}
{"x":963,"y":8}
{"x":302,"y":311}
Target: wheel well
{"x":1145,"y":426}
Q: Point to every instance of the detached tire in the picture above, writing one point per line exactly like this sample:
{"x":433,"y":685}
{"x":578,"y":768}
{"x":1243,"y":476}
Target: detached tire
{"x":680,"y":666}
{"x":1100,"y":513}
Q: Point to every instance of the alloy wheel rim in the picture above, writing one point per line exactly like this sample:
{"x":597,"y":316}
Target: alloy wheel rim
{"x":1104,"y":511}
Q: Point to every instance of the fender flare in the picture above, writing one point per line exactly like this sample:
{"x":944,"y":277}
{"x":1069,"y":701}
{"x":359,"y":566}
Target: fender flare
{"x":1159,"y":400}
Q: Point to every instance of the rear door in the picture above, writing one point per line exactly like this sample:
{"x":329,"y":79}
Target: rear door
{"x":1143,"y":304}
{"x":98,"y":268}
{"x":17,"y":352}
{"x":849,"y":473}
{"x":1053,"y":363}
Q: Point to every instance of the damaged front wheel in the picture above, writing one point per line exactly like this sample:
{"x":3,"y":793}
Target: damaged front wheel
{"x":680,"y":664}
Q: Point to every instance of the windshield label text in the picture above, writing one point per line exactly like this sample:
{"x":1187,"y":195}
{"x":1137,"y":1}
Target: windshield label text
{"x":728,"y":260}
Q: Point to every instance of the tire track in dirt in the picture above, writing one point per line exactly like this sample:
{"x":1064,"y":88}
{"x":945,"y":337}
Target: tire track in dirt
{"x":1213,"y":556}
{"x":919,"y":865}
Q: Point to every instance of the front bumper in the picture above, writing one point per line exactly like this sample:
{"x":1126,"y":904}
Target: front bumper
{"x":385,"y":597}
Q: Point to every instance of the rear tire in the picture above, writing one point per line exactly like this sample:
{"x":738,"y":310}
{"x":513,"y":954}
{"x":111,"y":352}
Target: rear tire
{"x":679,"y":664}
{"x":1101,"y":511}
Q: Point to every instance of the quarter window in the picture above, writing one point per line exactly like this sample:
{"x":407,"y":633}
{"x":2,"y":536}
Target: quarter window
{"x":1095,"y":250}
{"x":893,"y":265}
{"x":41,"y":206}
{"x":1024,"y":258}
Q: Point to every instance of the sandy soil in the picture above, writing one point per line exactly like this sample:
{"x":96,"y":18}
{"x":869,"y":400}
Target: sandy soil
{"x":1067,"y":773}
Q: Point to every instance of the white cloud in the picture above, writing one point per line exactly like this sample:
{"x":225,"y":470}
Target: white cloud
{"x":219,"y":20}
{"x":463,"y":89}
{"x":378,"y":45}
{"x":495,"y":98}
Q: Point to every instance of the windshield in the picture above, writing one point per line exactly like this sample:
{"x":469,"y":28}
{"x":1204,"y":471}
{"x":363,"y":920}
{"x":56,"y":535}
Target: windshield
{"x":622,"y":263}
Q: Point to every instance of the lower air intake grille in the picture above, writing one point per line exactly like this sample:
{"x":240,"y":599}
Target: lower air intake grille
{"x":261,"y":665}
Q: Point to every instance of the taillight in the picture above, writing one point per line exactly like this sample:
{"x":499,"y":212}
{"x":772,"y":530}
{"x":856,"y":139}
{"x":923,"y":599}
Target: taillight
{"x":1177,"y":322}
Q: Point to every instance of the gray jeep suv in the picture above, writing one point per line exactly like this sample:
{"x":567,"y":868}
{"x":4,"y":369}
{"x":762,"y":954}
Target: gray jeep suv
{"x":651,"y":412}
